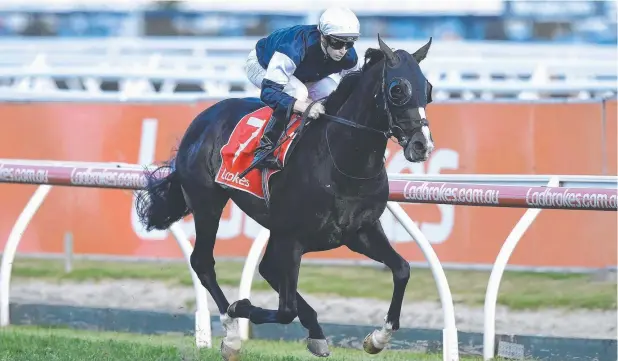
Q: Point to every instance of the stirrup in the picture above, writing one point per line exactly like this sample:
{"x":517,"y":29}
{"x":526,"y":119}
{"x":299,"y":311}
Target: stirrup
{"x":264,"y":156}
{"x":270,"y":162}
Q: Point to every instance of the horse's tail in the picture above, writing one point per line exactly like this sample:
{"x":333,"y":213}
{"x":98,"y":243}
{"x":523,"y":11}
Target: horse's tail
{"x":162,"y":202}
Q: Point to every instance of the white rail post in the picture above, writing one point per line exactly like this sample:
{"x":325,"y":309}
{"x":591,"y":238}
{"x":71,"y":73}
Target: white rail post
{"x":10,"y":248}
{"x":203,"y":334}
{"x":248,"y":272}
{"x":491,"y":295}
{"x":450,"y":350}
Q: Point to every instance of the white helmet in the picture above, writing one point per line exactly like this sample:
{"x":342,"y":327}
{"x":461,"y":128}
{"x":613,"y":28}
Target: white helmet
{"x":340,"y":23}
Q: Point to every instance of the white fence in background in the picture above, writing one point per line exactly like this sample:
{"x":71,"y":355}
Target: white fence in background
{"x":514,"y":186}
{"x":241,"y":46}
{"x":210,"y":67}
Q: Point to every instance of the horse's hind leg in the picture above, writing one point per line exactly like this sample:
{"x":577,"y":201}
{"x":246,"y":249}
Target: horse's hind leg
{"x":373,"y":243}
{"x":288,"y":253}
{"x":207,"y":204}
{"x":316,"y":343}
{"x":207,"y":209}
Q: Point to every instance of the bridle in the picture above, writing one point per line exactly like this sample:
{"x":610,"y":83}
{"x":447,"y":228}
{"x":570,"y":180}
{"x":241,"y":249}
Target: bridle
{"x":393,"y":128}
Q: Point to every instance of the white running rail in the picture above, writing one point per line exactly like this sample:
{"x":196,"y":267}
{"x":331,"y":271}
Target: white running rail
{"x":203,"y":336}
{"x":493,"y":285}
{"x":601,"y":187}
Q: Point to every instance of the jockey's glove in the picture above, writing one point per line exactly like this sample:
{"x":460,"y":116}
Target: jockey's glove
{"x":314,"y":113}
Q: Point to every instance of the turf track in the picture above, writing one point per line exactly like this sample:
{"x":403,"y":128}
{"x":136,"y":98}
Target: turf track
{"x":25,"y":343}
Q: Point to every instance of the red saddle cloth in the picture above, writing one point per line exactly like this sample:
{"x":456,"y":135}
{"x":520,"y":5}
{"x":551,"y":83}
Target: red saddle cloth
{"x":238,"y":153}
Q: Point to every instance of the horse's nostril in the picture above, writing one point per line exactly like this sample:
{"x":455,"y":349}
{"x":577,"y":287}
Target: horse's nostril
{"x":418,"y":146}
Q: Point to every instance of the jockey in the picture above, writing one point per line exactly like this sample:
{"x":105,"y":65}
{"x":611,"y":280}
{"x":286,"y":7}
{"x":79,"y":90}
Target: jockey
{"x":297,"y":65}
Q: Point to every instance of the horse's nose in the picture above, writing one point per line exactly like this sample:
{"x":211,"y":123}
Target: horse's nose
{"x":419,"y":146}
{"x":416,"y":151}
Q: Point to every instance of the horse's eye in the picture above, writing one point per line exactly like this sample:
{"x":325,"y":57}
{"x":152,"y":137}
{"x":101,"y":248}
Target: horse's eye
{"x":399,"y":91}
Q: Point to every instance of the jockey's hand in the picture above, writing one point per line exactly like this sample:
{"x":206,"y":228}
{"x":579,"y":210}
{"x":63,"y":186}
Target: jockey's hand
{"x":316,"y":110}
{"x":314,"y":113}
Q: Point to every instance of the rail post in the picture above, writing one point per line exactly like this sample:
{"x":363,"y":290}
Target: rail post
{"x":450,"y":348}
{"x":10,"y":248}
{"x":493,"y":285}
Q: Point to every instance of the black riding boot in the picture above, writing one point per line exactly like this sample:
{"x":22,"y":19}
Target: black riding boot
{"x":274,"y":128}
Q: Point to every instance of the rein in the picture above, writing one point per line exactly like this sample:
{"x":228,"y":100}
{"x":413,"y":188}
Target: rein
{"x":343,"y":121}
{"x":387,"y":134}
{"x":402,"y":139}
{"x":392,"y":126}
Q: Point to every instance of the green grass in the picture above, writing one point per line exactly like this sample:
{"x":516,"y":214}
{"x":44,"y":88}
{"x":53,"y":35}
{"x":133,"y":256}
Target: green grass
{"x":25,"y":343}
{"x":518,"y":290}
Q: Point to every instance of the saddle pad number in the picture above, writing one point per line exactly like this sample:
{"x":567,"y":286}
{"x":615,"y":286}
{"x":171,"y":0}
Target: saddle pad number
{"x":238,"y":153}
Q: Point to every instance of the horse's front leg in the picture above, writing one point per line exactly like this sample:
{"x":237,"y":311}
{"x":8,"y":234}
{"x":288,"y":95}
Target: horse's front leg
{"x":373,"y":243}
{"x":231,"y":343}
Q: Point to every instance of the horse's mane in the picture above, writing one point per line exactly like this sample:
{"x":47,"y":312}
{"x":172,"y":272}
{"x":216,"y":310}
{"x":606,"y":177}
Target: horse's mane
{"x":372,"y":57}
{"x":336,"y":99}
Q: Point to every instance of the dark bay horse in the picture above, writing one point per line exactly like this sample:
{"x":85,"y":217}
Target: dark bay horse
{"x":331,"y":193}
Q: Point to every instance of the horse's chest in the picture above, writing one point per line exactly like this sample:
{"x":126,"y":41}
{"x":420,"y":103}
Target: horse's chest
{"x":341,"y":221}
{"x":352,"y":216}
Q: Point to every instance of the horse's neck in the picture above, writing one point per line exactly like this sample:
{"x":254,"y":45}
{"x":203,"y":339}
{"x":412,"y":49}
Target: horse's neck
{"x":358,"y":153}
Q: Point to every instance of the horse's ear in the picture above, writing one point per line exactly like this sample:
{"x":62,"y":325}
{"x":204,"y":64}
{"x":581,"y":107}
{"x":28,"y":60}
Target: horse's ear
{"x":421,"y":53}
{"x":391,"y":57}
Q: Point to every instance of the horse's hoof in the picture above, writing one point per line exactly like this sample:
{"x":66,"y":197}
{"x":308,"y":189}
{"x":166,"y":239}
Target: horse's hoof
{"x":236,"y":308}
{"x":369,"y":347}
{"x":229,"y":353}
{"x":318,"y":347}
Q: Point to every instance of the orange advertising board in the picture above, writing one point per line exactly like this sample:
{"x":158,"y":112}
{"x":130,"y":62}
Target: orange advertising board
{"x":473,"y":138}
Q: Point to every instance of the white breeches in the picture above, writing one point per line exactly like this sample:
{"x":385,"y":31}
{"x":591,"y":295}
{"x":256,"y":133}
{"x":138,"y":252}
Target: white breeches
{"x":294,"y":87}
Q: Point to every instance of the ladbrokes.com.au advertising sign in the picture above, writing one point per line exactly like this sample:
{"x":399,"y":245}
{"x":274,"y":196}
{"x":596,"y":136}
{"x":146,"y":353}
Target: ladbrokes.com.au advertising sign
{"x":470,"y":138}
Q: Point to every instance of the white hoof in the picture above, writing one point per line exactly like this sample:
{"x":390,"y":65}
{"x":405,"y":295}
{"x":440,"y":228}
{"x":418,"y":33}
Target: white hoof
{"x":231,"y":343}
{"x":228,"y":352}
{"x":370,"y":346}
{"x":377,"y":340}
{"x":318,"y":347}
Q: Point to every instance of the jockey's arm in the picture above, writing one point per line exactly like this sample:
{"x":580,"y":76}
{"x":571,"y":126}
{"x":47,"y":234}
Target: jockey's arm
{"x":280,"y":68}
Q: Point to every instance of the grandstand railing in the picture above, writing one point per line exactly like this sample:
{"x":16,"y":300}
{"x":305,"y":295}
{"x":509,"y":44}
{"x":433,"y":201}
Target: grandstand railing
{"x":233,"y":83}
{"x":509,"y":191}
{"x":216,"y":67}
{"x":241,"y":46}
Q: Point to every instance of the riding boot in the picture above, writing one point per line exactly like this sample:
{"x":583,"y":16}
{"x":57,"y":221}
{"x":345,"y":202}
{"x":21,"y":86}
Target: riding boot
{"x":272,"y":133}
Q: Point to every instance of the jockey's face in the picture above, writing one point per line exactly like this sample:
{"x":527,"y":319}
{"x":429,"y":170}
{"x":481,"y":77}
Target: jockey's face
{"x":336,"y":54}
{"x":336,"y":49}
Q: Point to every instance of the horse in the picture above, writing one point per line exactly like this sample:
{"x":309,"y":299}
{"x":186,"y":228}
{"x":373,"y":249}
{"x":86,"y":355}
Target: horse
{"x":330,"y":193}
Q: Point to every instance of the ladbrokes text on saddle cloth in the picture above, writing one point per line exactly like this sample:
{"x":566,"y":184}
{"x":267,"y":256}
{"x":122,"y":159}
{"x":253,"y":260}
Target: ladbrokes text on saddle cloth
{"x":238,"y":153}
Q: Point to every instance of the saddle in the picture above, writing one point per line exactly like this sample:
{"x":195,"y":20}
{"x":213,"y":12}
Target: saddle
{"x":239,"y":152}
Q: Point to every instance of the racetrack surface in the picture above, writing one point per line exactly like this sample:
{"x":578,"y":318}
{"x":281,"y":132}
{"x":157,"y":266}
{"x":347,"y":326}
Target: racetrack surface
{"x":529,"y":304}
{"x":20,"y":343}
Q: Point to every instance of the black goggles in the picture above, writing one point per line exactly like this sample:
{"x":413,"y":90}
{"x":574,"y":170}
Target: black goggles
{"x":337,"y":44}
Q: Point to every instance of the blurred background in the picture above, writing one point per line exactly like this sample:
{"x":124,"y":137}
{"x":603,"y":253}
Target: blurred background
{"x":571,"y":22}
{"x":482,"y":49}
